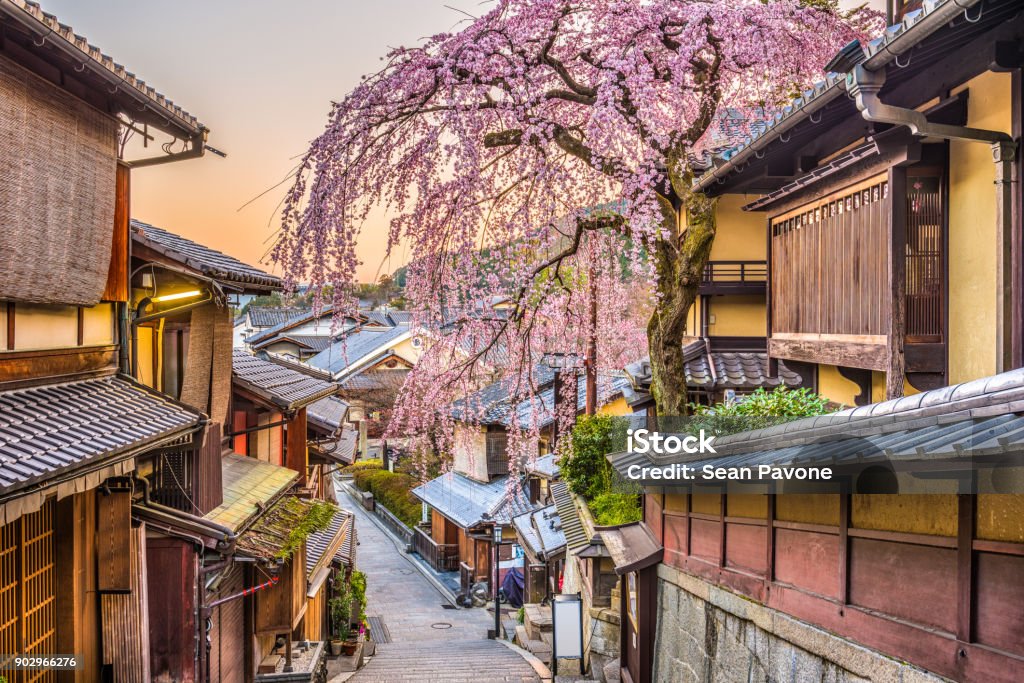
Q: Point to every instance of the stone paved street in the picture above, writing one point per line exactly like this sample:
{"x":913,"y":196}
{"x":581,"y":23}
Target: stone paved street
{"x":428,"y":641}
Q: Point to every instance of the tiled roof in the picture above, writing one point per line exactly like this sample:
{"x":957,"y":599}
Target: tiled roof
{"x":210,"y":262}
{"x":301,"y":317}
{"x":572,"y":526}
{"x":541,"y":530}
{"x":328,"y":542}
{"x":269,"y":316}
{"x":249,"y":486}
{"x":313,"y":342}
{"x":492,"y":404}
{"x":468,"y":502}
{"x":879,"y":52}
{"x":286,"y":388}
{"x":733,"y":370}
{"x":342,"y":449}
{"x":53,"y":429}
{"x":356,"y":347}
{"x":328,"y":413}
{"x":546,"y":466}
{"x":961,"y":424}
{"x":374,"y":380}
{"x":380,"y":317}
{"x":32,"y":17}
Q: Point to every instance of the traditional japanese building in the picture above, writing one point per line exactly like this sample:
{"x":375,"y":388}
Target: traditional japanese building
{"x":888,"y":202}
{"x":76,"y":425}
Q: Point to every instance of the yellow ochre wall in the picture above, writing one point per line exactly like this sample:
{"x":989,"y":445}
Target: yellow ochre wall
{"x":615,"y":408}
{"x":740,"y":235}
{"x":1000,"y":517}
{"x":972,"y":233}
{"x":737,"y":316}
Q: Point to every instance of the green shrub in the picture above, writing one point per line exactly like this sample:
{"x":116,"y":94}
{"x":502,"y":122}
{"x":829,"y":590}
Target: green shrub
{"x":357,"y":580}
{"x":370,"y":464}
{"x":780,"y":402}
{"x":584,"y":468}
{"x":610,"y":509}
{"x":393,"y":491}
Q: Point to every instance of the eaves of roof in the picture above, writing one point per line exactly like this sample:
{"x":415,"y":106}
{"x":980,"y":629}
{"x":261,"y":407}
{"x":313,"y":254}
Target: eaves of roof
{"x":895,"y":41}
{"x":47,"y":29}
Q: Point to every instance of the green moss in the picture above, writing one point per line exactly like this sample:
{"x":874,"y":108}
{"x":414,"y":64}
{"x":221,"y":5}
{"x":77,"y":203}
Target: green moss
{"x":303,"y":525}
{"x":611,"y":509}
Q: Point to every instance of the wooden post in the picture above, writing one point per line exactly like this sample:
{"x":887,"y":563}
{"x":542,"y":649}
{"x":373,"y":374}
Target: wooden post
{"x":1004,"y":154}
{"x":898,"y":282}
{"x":966,"y":506}
{"x":295,"y":457}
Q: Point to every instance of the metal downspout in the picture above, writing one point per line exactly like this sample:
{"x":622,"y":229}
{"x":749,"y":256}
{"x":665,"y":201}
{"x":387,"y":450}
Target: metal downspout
{"x":864,"y":85}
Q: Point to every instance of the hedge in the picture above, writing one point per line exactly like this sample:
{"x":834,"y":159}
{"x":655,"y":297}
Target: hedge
{"x":392,"y":490}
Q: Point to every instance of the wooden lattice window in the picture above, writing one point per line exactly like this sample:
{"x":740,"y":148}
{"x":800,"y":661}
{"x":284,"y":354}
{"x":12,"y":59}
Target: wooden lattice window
{"x":28,"y":623}
{"x":497,"y":454}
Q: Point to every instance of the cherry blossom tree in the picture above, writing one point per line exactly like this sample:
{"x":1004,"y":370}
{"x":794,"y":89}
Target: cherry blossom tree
{"x":541,"y":155}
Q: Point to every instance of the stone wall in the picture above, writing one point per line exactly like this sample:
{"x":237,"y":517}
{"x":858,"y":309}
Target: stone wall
{"x":709,"y":634}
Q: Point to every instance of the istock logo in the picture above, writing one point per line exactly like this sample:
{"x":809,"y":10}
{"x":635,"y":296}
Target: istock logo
{"x":646,"y":441}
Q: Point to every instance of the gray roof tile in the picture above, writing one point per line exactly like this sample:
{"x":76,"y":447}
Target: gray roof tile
{"x":47,"y":430}
{"x":282,"y":386}
{"x":355,"y":347}
{"x":210,"y":262}
{"x":468,"y":502}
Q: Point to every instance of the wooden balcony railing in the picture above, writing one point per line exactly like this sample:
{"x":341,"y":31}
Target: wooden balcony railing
{"x":734,"y":277}
{"x":442,"y":557}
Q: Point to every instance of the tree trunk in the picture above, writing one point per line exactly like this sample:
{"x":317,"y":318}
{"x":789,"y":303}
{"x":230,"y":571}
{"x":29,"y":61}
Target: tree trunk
{"x":680,"y":256}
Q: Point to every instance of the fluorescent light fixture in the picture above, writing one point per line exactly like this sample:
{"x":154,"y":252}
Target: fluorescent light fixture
{"x":175,"y":297}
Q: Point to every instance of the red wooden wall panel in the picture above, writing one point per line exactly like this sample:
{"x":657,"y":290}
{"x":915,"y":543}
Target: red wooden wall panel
{"x":904,"y":580}
{"x":808,"y":560}
{"x":1000,"y":585}
{"x":744,"y":547}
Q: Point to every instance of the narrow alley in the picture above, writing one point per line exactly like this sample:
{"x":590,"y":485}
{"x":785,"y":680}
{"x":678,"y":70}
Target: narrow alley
{"x":427,"y":638}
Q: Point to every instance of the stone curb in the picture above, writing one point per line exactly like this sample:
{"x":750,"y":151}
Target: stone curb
{"x":531,"y":659}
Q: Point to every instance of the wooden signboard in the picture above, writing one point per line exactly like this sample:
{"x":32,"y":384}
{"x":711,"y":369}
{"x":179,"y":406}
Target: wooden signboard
{"x":113,"y":542}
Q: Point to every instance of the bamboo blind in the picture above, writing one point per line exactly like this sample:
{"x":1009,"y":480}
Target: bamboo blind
{"x":58,"y":160}
{"x":830,"y":267}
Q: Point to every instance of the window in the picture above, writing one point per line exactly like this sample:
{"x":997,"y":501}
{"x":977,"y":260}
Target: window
{"x":497,"y":454}
{"x":631,"y":598}
{"x":28,"y":607}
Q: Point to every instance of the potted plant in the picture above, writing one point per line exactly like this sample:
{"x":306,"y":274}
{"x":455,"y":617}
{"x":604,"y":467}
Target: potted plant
{"x":340,"y":611}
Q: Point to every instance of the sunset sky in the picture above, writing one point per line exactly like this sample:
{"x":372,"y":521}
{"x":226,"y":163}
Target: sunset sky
{"x":260,"y":74}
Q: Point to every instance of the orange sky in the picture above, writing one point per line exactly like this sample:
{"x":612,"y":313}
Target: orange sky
{"x":260,"y":75}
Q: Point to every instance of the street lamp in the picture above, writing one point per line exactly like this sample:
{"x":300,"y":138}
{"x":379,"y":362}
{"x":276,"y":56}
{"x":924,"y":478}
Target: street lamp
{"x":497,"y":575}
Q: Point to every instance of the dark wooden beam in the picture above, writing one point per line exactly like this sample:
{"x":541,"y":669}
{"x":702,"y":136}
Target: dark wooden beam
{"x":895,"y":361}
{"x":10,"y":325}
{"x":296,"y":457}
{"x":967,"y":511}
{"x":831,"y":351}
{"x":27,"y":368}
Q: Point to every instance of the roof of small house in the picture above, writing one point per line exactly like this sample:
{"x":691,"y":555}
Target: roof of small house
{"x":286,"y":388}
{"x":545,"y":466}
{"x":328,"y":413}
{"x":468,"y":502}
{"x":631,"y":546}
{"x":134,"y":95}
{"x":209,"y":262}
{"x":55,"y":429}
{"x":961,"y":425}
{"x":576,"y":536}
{"x":370,"y":377}
{"x":741,"y":370}
{"x":268,"y":316}
{"x":541,"y":531}
{"x":357,"y":347}
{"x":322,"y":547}
{"x":249,"y":486}
{"x":301,"y":317}
{"x":342,"y":450}
{"x":496,"y":406}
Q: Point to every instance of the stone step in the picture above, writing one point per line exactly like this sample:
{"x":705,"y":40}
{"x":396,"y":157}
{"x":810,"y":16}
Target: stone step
{"x":537,"y":619}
